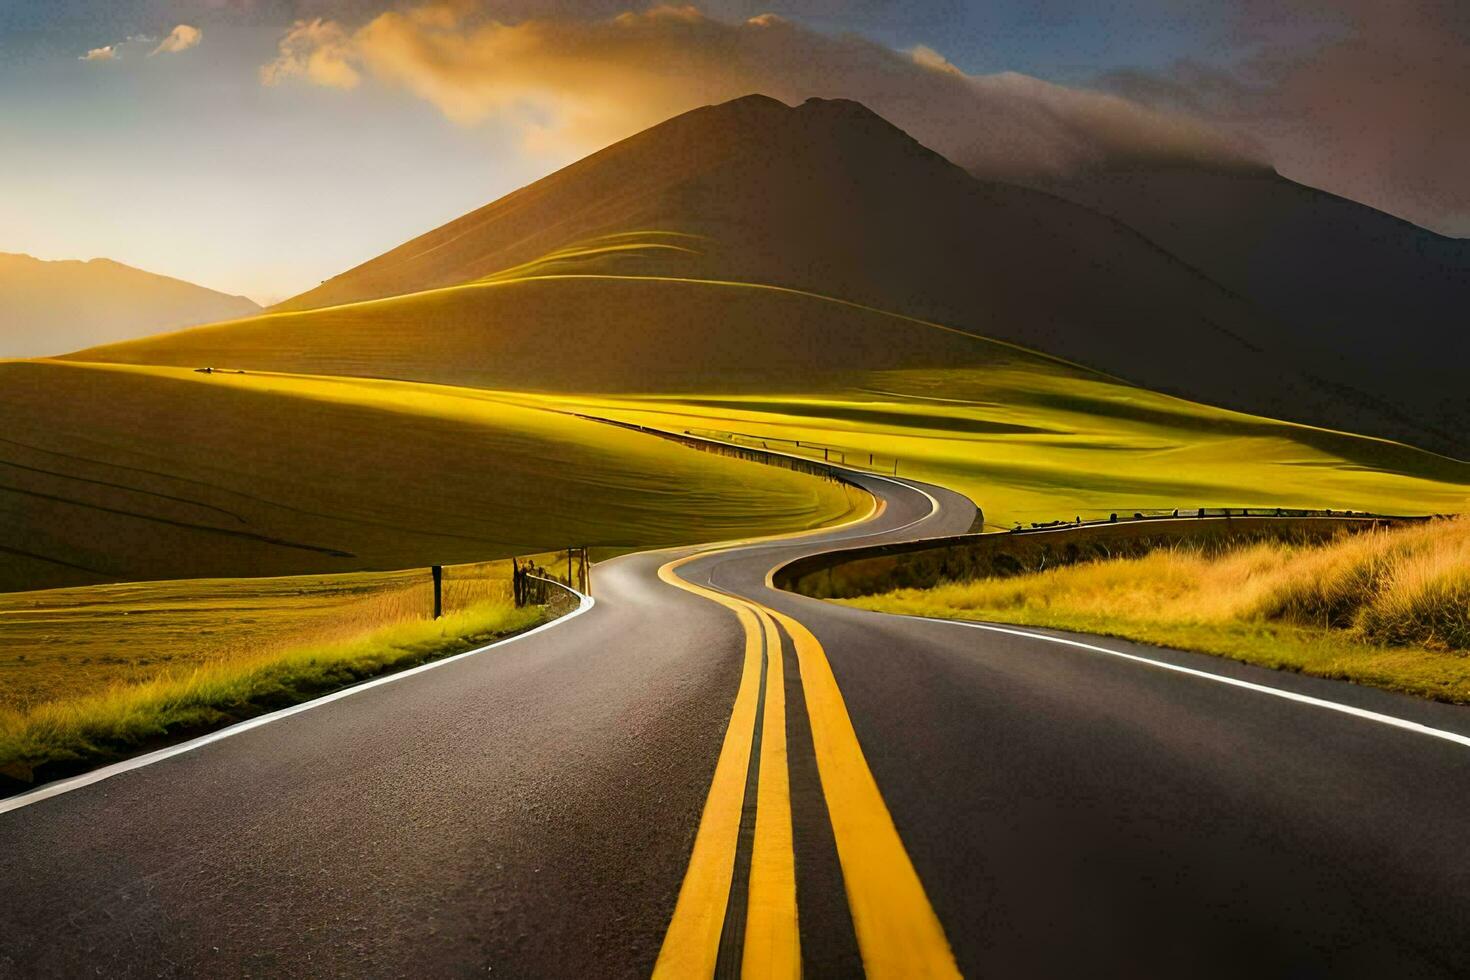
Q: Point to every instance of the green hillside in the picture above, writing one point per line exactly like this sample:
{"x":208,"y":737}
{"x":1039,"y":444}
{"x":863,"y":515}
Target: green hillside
{"x":112,"y":473}
{"x":692,"y":276}
{"x":1028,"y":437}
{"x":830,"y":198}
{"x":1032,"y":444}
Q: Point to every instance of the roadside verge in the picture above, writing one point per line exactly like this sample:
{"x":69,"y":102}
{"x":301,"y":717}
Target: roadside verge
{"x":164,"y":722}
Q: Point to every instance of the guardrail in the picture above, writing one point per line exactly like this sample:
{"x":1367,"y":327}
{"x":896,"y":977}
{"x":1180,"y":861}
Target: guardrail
{"x":827,"y":469}
{"x":1163,"y":513}
{"x":848,"y":456}
{"x":923,"y":563}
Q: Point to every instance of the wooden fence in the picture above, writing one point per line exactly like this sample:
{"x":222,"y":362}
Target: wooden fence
{"x":534,"y":584}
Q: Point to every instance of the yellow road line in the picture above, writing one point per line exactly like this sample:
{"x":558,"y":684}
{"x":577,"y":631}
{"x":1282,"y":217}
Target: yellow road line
{"x":772,"y":939}
{"x":691,"y":945}
{"x":898,"y":933}
{"x":772,"y":946}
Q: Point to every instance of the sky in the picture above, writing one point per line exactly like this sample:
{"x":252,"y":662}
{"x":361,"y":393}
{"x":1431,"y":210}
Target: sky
{"x":260,"y":146}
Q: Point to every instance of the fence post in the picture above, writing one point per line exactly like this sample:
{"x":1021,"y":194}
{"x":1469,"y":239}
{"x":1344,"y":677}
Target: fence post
{"x":438,"y":571}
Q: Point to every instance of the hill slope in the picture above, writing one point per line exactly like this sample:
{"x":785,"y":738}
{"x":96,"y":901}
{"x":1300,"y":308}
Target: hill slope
{"x":1028,"y":437}
{"x":53,"y":307}
{"x":830,"y":198}
{"x":1370,"y":295}
{"x":631,"y":289}
{"x":580,"y":333}
{"x":117,"y":473}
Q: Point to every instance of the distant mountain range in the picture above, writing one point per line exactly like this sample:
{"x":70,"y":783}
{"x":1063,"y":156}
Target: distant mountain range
{"x":1232,"y":287}
{"x":50,"y":308}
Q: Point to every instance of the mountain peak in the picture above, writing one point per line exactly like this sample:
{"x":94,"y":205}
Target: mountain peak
{"x":737,"y":176}
{"x":839,"y":107}
{"x":828,"y":197}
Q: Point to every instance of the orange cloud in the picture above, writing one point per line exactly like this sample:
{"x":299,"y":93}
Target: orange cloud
{"x":316,"y":50}
{"x":108,"y":52}
{"x":575,"y":83}
{"x":181,"y":38}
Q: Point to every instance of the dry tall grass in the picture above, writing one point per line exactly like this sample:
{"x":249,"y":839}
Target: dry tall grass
{"x":1387,"y":607}
{"x":96,"y":673}
{"x":64,"y":644}
{"x":81,"y":732}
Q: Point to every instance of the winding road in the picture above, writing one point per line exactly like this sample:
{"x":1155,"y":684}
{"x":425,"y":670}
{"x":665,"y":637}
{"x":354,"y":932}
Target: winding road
{"x":700,"y":774}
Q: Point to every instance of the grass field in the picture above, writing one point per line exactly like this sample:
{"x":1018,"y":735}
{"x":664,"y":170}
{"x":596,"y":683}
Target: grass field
{"x":442,"y":427}
{"x":103,"y":724}
{"x":114,"y":473}
{"x":61,"y":644}
{"x":1034,"y":442}
{"x":91,"y":672}
{"x":579,"y":333}
{"x":1390,"y":608}
{"x":1027,"y":436}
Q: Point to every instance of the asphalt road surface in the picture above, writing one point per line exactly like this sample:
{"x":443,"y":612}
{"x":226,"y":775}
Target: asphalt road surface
{"x":700,"y":774}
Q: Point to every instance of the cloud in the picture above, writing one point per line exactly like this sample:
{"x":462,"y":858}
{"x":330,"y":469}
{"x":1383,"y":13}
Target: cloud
{"x":1372,"y":102}
{"x":926,"y":57}
{"x":316,"y":50}
{"x":181,"y":38}
{"x":576,"y":83}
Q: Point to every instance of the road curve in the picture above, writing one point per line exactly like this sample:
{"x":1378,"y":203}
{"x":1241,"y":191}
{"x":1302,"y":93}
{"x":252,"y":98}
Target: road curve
{"x":704,"y":773}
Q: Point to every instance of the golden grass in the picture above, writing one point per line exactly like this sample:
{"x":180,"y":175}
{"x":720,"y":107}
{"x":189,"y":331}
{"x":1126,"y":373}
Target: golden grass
{"x":127,"y":717}
{"x":64,"y":644}
{"x":1388,"y":607}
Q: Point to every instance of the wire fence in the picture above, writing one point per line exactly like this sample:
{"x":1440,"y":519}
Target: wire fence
{"x":443,"y":590}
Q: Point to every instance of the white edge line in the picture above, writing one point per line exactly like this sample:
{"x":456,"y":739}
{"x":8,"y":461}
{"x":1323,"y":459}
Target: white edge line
{"x":858,"y":535}
{"x":585,"y":602}
{"x":742,"y":545}
{"x":1412,"y":726}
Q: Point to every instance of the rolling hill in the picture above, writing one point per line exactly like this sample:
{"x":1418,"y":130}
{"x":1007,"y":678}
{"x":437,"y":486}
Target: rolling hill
{"x":827,"y":197}
{"x":780,"y":271}
{"x":53,"y":307}
{"x":1029,"y":437}
{"x":112,"y":474}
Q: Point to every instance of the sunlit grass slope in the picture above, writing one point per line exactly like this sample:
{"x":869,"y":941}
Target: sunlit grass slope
{"x":1032,"y":442}
{"x":829,"y":197}
{"x":111,"y":473}
{"x":581,"y":333}
{"x":1027,"y":436}
{"x":1387,"y":608}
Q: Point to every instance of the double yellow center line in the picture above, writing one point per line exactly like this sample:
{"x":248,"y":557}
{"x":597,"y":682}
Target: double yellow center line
{"x":897,"y":930}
